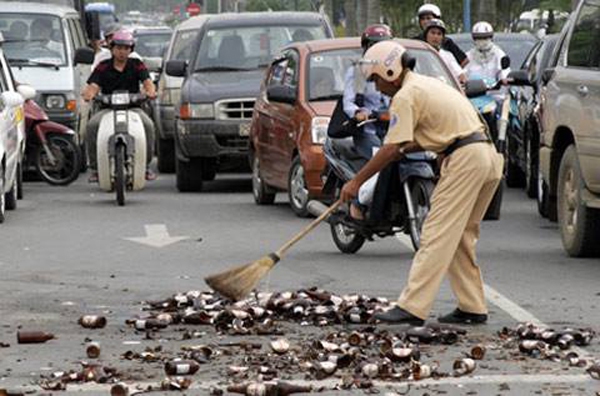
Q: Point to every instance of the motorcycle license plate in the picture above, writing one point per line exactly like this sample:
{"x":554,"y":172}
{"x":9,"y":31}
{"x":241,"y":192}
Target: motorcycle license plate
{"x":244,"y":129}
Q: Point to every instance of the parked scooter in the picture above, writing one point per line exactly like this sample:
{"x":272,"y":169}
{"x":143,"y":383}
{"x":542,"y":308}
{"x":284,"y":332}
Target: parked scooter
{"x":121,"y":145}
{"x":51,"y":148}
{"x":408,"y":186}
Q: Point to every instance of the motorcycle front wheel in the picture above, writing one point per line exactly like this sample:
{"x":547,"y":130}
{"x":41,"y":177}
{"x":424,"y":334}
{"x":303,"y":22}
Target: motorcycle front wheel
{"x":65,"y":168}
{"x":120,"y":173}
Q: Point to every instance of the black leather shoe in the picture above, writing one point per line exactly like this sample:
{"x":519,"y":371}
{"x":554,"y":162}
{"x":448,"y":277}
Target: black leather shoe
{"x":399,"y":316}
{"x":461,"y":317}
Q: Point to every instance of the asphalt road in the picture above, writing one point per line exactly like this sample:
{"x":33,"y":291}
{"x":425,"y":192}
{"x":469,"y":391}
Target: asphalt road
{"x":65,"y":252}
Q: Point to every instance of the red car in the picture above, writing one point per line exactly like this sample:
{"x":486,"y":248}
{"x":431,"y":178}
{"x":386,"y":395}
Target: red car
{"x":292,"y":112}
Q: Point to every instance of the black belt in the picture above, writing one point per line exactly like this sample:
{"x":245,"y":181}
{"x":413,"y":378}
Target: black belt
{"x":475,"y":137}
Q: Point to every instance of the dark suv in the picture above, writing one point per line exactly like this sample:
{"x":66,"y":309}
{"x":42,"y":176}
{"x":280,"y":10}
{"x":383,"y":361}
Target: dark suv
{"x":570,"y":142}
{"x":222,"y":81}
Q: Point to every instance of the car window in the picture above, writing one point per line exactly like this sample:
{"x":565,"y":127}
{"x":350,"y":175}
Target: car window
{"x":431,"y":65}
{"x":33,"y":39}
{"x":72,"y":35}
{"x":152,"y":45}
{"x":248,"y":47}
{"x":76,"y":32}
{"x":584,"y":48}
{"x":182,"y":45}
{"x":326,"y":71}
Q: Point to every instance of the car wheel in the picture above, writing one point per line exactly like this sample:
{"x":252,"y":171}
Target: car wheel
{"x":189,"y":175}
{"x":515,"y":177}
{"x":579,"y":225}
{"x":297,"y":189}
{"x":209,"y":168}
{"x":165,"y":153}
{"x":20,"y":181}
{"x":542,"y":196}
{"x":531,"y":163}
{"x":10,"y":198}
{"x":83,"y":165}
{"x":261,"y":192}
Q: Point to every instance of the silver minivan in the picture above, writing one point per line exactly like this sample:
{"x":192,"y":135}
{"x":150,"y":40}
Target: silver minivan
{"x":169,"y":90}
{"x":40,"y":44}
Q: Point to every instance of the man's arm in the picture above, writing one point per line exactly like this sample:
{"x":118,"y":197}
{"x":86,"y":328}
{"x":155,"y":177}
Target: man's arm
{"x":90,"y":91}
{"x":149,"y":88}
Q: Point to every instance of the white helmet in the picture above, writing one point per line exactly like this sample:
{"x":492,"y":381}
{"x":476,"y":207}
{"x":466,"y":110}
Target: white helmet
{"x":430,"y":9}
{"x":383,"y":59}
{"x":482,"y":30}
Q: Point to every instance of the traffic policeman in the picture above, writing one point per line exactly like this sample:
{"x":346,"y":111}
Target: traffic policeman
{"x":427,"y":114}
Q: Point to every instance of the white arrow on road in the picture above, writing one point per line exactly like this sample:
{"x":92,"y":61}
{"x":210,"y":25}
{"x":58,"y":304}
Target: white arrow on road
{"x":157,"y":236}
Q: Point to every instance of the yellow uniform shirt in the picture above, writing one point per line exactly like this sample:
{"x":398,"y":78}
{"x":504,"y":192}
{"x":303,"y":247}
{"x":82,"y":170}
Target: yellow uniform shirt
{"x":431,"y":113}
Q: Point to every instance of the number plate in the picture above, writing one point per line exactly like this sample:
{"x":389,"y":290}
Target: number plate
{"x":244,"y":129}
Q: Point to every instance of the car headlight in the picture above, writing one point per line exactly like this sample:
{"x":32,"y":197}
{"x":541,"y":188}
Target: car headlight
{"x":196,"y":110}
{"x":318,"y":130}
{"x":53,"y":102}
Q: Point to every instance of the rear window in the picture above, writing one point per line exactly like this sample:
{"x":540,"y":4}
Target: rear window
{"x":250,"y":47}
{"x":152,"y":45}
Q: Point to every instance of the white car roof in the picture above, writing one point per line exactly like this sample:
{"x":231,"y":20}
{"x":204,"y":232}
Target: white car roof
{"x":36,"y":8}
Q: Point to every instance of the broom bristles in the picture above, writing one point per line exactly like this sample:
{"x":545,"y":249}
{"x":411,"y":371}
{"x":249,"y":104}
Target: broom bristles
{"x":238,"y":282}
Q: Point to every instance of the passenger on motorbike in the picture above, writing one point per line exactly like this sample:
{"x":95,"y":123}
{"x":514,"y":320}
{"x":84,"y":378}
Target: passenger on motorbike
{"x":362,"y":99}
{"x":119,"y":73}
{"x":426,"y":13}
{"x":435,"y":32}
{"x":485,"y":58}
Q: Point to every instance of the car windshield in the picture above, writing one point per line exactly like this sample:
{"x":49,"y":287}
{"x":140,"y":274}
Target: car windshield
{"x":152,"y":45}
{"x":33,"y":39}
{"x":328,"y":68}
{"x":249,"y":47}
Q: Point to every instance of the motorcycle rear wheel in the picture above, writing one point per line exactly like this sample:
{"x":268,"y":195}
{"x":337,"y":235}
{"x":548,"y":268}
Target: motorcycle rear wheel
{"x":346,"y":239}
{"x":67,"y":166}
{"x":120,"y":174}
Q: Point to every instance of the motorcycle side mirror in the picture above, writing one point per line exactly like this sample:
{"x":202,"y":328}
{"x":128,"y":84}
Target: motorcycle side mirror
{"x":26,"y":91}
{"x":84,"y":55}
{"x":547,"y":75}
{"x":519,"y":77}
{"x":474,"y":88}
{"x":505,"y":62}
{"x":176,"y":68}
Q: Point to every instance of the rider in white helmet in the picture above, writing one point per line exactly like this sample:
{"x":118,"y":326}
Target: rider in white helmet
{"x":485,"y":58}
{"x":426,"y":13}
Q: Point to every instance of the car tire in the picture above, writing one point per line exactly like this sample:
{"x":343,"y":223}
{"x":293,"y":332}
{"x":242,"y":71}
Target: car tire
{"x":20,"y":181}
{"x":515,"y":177}
{"x":83,"y":157}
{"x":263,"y":194}
{"x":209,"y":168}
{"x":189,"y":175}
{"x":532,"y":158}
{"x":542,"y":196}
{"x":165,"y":155}
{"x":10,"y":197}
{"x":579,"y":225}
{"x":297,"y":189}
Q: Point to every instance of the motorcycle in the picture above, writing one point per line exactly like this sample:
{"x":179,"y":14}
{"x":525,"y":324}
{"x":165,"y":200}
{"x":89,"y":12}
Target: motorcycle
{"x":121,"y":145}
{"x":51,"y":148}
{"x":402,"y":207}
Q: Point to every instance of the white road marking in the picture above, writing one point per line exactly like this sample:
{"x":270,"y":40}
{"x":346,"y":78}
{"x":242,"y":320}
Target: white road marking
{"x":329,"y":384}
{"x":157,"y":236}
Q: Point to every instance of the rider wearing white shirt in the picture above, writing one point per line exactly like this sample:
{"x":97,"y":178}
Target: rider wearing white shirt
{"x":434,"y":33}
{"x":485,"y":58}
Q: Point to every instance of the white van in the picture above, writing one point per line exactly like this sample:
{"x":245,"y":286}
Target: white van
{"x":40,"y":40}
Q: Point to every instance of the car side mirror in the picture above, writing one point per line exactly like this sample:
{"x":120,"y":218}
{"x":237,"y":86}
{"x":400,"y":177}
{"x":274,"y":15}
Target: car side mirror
{"x":519,"y":77}
{"x":474,"y":88}
{"x":26,"y":91}
{"x":547,"y":75}
{"x":281,"y":93}
{"x":84,"y":55}
{"x":176,"y":68}
{"x":505,"y":62}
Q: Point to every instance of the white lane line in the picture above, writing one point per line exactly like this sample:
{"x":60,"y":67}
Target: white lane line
{"x":329,"y":384}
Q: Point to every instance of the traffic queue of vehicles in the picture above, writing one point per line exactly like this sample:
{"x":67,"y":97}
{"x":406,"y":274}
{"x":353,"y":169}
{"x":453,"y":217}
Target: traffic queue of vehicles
{"x":256,"y":90}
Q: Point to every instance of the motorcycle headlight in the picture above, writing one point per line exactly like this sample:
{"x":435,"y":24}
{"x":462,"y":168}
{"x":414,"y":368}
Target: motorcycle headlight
{"x":54,"y":102}
{"x":197,"y":110}
{"x":119,"y":99}
{"x":318,"y":129}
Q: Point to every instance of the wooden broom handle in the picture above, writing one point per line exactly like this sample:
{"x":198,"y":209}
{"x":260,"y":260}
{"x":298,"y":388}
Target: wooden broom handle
{"x":307,"y":229}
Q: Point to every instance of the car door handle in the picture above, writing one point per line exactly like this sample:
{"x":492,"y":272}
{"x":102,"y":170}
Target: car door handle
{"x":582,"y":90}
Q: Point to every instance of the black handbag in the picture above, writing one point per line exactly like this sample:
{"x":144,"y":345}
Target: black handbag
{"x":340,"y":125}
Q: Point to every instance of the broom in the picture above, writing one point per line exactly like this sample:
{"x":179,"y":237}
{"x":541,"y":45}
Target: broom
{"x":237,"y":282}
